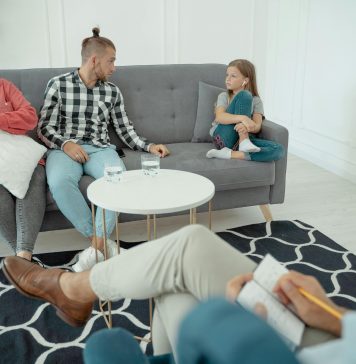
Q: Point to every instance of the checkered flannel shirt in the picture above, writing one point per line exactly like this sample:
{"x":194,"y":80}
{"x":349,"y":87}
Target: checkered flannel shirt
{"x":71,"y":111}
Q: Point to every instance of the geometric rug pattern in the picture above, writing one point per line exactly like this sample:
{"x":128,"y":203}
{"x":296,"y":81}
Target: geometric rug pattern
{"x":30,"y":332}
{"x":303,"y":248}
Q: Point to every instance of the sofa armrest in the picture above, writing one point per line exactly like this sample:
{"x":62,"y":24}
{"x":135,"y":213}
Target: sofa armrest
{"x":279,"y":134}
{"x":275,"y":132}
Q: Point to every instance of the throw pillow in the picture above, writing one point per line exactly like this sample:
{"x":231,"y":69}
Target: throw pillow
{"x":19,"y":156}
{"x":208,"y":95}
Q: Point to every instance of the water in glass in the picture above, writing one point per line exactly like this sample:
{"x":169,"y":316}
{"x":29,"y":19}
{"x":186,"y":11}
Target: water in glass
{"x":150,"y":167}
{"x":113,"y":173}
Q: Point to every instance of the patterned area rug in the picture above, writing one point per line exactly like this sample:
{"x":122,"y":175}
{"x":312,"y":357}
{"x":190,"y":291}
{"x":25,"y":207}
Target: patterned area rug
{"x":30,"y":332}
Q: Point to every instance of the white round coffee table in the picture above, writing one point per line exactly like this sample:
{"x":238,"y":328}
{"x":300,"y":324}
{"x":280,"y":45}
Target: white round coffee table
{"x":168,"y":192}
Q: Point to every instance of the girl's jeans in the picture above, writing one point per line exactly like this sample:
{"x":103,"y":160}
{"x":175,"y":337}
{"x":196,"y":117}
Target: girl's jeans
{"x":226,"y":136}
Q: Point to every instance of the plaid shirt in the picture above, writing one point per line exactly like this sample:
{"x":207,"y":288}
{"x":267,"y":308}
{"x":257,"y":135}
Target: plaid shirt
{"x":71,"y":111}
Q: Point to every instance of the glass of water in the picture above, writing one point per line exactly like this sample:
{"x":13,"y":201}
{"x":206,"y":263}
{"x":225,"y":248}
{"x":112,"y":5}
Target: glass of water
{"x":150,"y":164}
{"x":113,"y":172}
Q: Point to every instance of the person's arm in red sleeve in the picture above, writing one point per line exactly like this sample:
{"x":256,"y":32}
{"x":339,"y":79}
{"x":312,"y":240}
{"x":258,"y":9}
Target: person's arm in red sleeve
{"x":23,"y":116}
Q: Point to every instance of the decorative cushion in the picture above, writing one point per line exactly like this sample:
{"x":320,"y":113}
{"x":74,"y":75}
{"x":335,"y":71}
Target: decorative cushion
{"x":19,"y":156}
{"x":208,"y":95}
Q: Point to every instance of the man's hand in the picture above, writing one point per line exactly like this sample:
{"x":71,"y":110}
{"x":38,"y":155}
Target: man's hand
{"x":159,"y":149}
{"x":234,"y":287}
{"x":287,"y":290}
{"x":76,"y":152}
{"x":235,"y":284}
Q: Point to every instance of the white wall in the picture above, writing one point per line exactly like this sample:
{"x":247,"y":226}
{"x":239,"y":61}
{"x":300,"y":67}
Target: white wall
{"x":303,"y":50}
{"x":310,"y":79}
{"x":48,"y":33}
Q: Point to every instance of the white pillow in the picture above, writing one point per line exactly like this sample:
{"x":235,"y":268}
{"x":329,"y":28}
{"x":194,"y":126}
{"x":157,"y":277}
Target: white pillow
{"x":19,"y":156}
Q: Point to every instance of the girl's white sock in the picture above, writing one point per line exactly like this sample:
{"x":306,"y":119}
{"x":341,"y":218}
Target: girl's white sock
{"x":247,"y":146}
{"x":224,"y":153}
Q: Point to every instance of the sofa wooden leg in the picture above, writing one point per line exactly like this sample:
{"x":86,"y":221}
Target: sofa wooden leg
{"x":266,"y":212}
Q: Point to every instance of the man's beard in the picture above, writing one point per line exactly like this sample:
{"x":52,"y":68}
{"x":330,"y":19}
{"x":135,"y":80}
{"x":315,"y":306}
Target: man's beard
{"x":100,"y":74}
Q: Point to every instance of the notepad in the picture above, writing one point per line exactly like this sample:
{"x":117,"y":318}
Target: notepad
{"x":260,"y":290}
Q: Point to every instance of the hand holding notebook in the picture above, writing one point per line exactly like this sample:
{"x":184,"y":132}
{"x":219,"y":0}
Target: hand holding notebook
{"x":260,"y":290}
{"x":306,"y":294}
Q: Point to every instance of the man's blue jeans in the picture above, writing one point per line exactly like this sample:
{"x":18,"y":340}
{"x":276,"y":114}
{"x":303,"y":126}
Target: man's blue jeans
{"x":63,"y":176}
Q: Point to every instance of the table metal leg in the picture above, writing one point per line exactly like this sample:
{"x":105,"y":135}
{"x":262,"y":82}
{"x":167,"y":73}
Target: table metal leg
{"x":154,"y":227}
{"x":150,"y":299}
{"x":209,"y":214}
{"x":148,"y":227}
{"x":104,"y":236}
{"x":194,"y":216}
{"x":107,"y":316}
{"x":94,"y":231}
{"x":151,"y":314}
{"x":117,"y":233}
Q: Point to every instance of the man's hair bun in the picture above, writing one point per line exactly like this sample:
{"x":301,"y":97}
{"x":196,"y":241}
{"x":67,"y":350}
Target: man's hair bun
{"x":94,"y":44}
{"x":96,"y":32}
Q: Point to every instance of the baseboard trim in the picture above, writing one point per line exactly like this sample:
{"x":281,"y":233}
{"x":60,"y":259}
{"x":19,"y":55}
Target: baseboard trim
{"x":329,"y":162}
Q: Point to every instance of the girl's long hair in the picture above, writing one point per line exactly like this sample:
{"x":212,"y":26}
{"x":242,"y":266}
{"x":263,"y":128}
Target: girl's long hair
{"x":247,"y":69}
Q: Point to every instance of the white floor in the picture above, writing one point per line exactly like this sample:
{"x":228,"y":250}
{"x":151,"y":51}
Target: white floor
{"x":313,"y":195}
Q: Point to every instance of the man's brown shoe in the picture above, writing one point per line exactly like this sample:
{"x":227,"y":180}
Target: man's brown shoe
{"x":34,"y":281}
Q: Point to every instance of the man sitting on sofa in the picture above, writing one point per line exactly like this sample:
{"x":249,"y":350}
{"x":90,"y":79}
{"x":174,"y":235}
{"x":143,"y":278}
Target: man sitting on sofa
{"x":74,"y":123}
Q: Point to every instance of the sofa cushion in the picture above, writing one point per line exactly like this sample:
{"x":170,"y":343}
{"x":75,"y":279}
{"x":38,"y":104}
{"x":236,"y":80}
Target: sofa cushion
{"x":19,"y":156}
{"x":208,"y":95}
{"x":160,"y":100}
{"x":190,"y":157}
{"x":225,"y":174}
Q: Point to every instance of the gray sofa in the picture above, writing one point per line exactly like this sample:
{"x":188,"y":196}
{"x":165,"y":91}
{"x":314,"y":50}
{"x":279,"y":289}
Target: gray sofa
{"x":162,"y":103}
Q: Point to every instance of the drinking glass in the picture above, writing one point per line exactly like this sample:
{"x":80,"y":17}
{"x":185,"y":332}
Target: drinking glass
{"x":113,"y":172}
{"x":150,"y":164}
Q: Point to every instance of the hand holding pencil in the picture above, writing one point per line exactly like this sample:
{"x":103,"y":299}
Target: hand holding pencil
{"x":310,"y":301}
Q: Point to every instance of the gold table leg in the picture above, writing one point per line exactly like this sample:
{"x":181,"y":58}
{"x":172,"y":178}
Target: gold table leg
{"x":107,"y":316}
{"x":94,"y":231}
{"x":148,"y":239}
{"x":209,"y":214}
{"x":154,"y":227}
{"x":117,"y":233}
{"x":148,"y":228}
{"x":194,"y":215}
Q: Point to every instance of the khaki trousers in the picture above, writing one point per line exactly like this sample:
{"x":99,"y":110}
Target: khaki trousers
{"x":178,"y":270}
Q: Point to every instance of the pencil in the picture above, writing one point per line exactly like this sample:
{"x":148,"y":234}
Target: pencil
{"x":321,"y":304}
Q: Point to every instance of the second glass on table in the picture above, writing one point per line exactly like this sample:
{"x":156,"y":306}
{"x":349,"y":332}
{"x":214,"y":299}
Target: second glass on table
{"x":113,"y":172}
{"x":150,"y":164}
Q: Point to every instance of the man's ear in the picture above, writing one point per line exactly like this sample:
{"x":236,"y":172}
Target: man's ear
{"x":93,"y":60}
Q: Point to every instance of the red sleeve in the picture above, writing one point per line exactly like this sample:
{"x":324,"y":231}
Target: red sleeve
{"x":23,"y":117}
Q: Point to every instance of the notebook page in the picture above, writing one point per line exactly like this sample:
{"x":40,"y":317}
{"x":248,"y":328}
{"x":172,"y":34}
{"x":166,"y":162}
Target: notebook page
{"x":279,"y":317}
{"x":268,"y":272}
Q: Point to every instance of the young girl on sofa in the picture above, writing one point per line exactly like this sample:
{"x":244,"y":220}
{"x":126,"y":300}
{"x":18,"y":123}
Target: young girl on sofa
{"x":239,"y":116}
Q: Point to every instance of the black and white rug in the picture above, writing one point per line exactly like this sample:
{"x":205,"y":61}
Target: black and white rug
{"x":30,"y":332}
